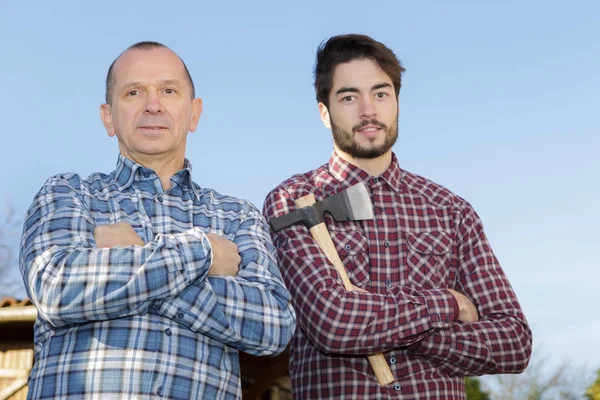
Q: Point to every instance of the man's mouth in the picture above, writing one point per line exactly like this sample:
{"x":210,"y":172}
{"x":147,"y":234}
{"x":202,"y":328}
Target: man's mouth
{"x":369,"y":130}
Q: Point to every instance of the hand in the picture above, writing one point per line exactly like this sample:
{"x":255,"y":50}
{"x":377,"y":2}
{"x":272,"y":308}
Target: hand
{"x":114,"y":235}
{"x":467,"y":310}
{"x":226,"y":259}
{"x":357,"y":289}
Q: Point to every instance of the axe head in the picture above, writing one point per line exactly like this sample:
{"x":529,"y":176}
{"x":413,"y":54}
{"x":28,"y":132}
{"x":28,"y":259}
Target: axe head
{"x":352,"y":204}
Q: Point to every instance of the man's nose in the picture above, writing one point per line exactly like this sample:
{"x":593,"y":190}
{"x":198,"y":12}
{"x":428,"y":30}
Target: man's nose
{"x":367,"y":108}
{"x":153,"y":104}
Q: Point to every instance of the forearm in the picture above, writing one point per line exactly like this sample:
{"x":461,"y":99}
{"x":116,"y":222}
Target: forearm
{"x":249,"y":316}
{"x":349,"y":322}
{"x":259,"y":316}
{"x":500,"y":342}
{"x":499,"y":346}
{"x":77,"y":283}
{"x":250,"y":311}
{"x":343,"y":322}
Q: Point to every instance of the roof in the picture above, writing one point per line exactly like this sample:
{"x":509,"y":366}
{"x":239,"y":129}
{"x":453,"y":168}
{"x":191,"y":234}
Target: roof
{"x":16,"y":311}
{"x":12,"y":302}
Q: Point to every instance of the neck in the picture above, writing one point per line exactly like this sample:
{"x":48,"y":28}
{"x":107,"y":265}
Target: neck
{"x":372,"y":166}
{"x":164,"y":167}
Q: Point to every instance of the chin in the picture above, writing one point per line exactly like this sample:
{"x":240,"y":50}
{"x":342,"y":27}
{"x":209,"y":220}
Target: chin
{"x":152,"y":150}
{"x":371,"y":144}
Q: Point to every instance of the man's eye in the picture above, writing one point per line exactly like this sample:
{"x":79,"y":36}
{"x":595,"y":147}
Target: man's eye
{"x":170,"y":91}
{"x":347,"y":98}
{"x":381,"y":95}
{"x":133,"y":93}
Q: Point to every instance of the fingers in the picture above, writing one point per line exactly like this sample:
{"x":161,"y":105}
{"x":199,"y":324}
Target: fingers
{"x":467,"y":310}
{"x":357,"y":289}
{"x":120,"y":234}
{"x":226,"y":259}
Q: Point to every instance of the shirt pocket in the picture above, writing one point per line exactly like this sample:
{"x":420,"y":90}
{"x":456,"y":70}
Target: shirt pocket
{"x":353,"y":251}
{"x":428,"y":258}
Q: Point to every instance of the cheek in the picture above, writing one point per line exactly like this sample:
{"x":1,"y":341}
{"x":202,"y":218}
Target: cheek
{"x":180,"y":119}
{"x":392,"y":110}
{"x":179,"y":114}
{"x":124,"y":118}
{"x":344,"y":119}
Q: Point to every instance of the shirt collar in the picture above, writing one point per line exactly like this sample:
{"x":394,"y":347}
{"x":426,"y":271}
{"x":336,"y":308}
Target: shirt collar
{"x":350,"y":174}
{"x":128,"y":171}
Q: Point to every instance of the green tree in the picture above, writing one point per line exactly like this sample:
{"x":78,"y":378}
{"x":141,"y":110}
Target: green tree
{"x":474,"y":391}
{"x":593,"y":392}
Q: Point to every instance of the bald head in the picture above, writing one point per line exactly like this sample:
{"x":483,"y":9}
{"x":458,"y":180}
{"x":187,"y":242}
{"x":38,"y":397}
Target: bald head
{"x":110,"y":76}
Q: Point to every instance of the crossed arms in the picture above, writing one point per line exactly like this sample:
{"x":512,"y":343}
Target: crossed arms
{"x":492,"y":338}
{"x":74,"y":274}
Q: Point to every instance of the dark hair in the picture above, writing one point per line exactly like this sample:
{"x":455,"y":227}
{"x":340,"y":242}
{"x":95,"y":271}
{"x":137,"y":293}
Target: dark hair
{"x":345,"y":48}
{"x":140,"y":46}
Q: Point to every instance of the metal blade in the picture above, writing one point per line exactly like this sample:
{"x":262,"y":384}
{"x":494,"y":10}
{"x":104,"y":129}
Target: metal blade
{"x":352,"y":204}
{"x":359,"y":202}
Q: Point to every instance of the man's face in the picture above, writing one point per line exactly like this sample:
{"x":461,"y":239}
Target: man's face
{"x":363,"y":110}
{"x":152,"y":110}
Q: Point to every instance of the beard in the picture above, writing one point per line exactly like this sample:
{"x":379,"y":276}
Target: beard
{"x":345,"y":141}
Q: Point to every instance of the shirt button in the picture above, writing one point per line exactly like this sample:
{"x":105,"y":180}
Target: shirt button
{"x":146,"y":174}
{"x":386,"y":244}
{"x":168,"y":332}
{"x":375,"y":180}
{"x":392,"y":360}
{"x":159,"y":391}
{"x":381,"y":209}
{"x":179,"y":315}
{"x":160,"y":199}
{"x":348,"y":247}
{"x":397,"y":386}
{"x":388,"y":283}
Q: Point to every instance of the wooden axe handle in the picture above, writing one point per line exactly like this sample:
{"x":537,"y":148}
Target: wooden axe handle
{"x":323,"y":238}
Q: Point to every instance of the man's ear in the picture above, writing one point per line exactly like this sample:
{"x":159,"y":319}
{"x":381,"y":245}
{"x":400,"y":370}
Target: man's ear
{"x":107,"y":121}
{"x":196,"y":112}
{"x":325,"y":115}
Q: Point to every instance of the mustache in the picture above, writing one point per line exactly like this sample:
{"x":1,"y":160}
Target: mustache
{"x":152,"y":121}
{"x":369,"y":122}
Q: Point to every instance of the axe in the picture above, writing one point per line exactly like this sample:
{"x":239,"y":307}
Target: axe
{"x":353,"y":204}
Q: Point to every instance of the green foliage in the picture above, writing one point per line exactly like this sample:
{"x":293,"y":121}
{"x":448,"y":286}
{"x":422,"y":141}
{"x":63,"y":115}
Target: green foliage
{"x":593,"y":392}
{"x":474,"y":391}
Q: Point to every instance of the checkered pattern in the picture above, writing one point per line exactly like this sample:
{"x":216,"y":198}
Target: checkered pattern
{"x":422,"y":240}
{"x":140,"y":322}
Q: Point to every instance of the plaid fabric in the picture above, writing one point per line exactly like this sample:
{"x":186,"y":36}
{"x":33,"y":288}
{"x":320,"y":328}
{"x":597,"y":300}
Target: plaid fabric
{"x":422,"y":240}
{"x":140,"y":322}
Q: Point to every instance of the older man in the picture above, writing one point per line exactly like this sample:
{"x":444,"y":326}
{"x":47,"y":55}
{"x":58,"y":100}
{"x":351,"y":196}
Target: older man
{"x":145,"y":283}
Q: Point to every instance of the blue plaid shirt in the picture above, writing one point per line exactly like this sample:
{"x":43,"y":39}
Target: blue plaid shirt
{"x":147,"y":322}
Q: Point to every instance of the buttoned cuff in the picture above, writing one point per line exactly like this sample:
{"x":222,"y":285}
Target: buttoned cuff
{"x":195,"y":250}
{"x":442,"y":307}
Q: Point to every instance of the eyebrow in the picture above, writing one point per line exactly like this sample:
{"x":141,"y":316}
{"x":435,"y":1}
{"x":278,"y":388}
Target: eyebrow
{"x":381,"y":86}
{"x":346,"y":89}
{"x":171,"y":82}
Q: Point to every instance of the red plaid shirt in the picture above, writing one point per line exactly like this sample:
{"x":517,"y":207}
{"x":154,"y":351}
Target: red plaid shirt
{"x":422,"y":240}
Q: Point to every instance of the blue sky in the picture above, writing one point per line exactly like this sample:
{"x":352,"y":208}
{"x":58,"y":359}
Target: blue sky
{"x":499,"y":103}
